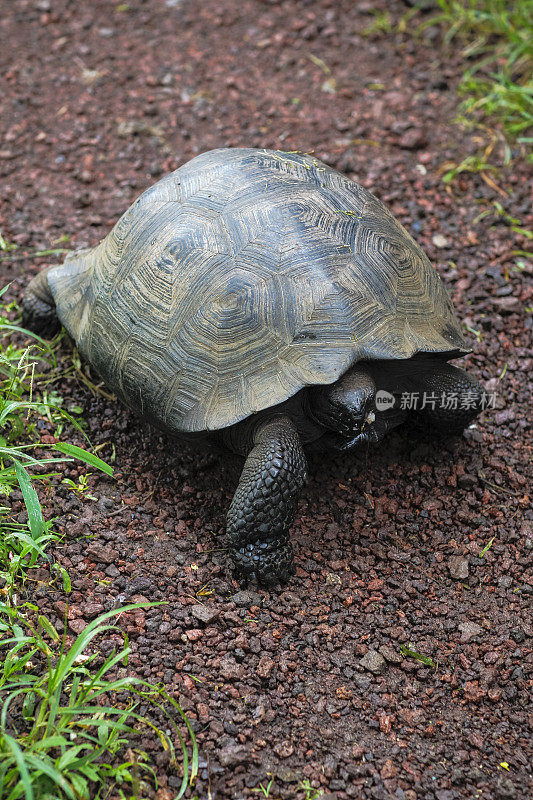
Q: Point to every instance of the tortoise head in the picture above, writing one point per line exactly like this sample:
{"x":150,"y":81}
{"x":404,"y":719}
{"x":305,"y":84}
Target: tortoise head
{"x":345,"y":408}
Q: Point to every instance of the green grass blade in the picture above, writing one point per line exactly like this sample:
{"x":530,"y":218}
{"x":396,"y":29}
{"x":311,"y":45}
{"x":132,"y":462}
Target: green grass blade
{"x":69,"y":756}
{"x":30,"y":543}
{"x":7,"y":702}
{"x":89,"y":771}
{"x":18,"y":756}
{"x":53,"y":706}
{"x":74,"y":690}
{"x":81,"y":787}
{"x":90,"y":711}
{"x":93,"y":629}
{"x":109,"y":663}
{"x":48,"y":627}
{"x":31,"y":501}
{"x":194,"y":763}
{"x":18,"y":329}
{"x":43,"y":767}
{"x":66,"y":661}
{"x":83,"y":455}
{"x":52,"y":741}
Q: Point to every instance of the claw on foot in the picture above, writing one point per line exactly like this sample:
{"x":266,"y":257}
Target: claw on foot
{"x":263,"y":565}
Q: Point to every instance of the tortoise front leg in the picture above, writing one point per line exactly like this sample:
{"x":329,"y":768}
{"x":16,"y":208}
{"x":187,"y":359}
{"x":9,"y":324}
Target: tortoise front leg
{"x":38,"y":307}
{"x":264,"y":505}
{"x":449,"y":398}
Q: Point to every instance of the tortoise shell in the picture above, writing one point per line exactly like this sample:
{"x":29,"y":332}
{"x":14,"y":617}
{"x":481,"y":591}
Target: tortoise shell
{"x":242,"y":277}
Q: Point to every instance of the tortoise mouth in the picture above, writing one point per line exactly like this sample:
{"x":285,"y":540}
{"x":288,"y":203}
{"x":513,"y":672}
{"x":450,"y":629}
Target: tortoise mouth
{"x":340,"y":443}
{"x":344,"y":430}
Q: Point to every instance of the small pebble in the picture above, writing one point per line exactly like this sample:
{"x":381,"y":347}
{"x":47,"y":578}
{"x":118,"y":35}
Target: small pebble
{"x":374,"y":662}
{"x":246,"y":598}
{"x":204,"y":614}
{"x":469,"y":630}
{"x":439,"y":240}
{"x":458,"y":567}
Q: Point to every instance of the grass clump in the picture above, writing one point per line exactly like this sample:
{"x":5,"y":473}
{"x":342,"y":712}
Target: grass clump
{"x":310,"y":793}
{"x":68,"y":725}
{"x":381,"y":23}
{"x":64,"y":733}
{"x":496,"y":40}
{"x":21,"y":544}
{"x":7,"y":249}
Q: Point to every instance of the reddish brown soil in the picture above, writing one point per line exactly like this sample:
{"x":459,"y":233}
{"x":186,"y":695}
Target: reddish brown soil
{"x":97,"y":103}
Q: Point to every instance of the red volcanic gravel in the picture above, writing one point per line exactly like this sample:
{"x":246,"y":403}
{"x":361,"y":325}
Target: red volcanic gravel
{"x":100,"y":99}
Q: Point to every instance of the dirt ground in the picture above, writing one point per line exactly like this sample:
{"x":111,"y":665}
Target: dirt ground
{"x":99,"y":100}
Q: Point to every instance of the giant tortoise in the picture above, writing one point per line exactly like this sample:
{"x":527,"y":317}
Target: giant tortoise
{"x":264,"y":299}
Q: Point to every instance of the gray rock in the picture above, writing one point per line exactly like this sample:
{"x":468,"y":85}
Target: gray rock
{"x":102,"y":553}
{"x":505,"y":789}
{"x":505,"y":581}
{"x":469,"y":630}
{"x":138,"y":585}
{"x":467,"y":481}
{"x":373,"y":662}
{"x":246,"y":598}
{"x":446,"y":794}
{"x":230,"y":670}
{"x":414,"y":139}
{"x":105,"y":503}
{"x":265,"y":666}
{"x":458,"y":567}
{"x":204,"y":614}
{"x":91,"y":610}
{"x":233,"y":754}
{"x":507,"y":304}
{"x":287,"y":775}
{"x":362,"y":682}
{"x":390,"y":655}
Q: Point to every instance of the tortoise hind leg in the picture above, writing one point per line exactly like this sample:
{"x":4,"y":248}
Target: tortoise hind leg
{"x":39,"y":309}
{"x":264,"y":505}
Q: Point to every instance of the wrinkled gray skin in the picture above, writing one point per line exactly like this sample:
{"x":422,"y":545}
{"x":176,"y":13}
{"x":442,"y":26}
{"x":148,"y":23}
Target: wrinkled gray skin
{"x":341,"y":416}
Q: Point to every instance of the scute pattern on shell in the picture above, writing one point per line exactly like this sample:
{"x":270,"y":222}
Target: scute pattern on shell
{"x":242,"y":277}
